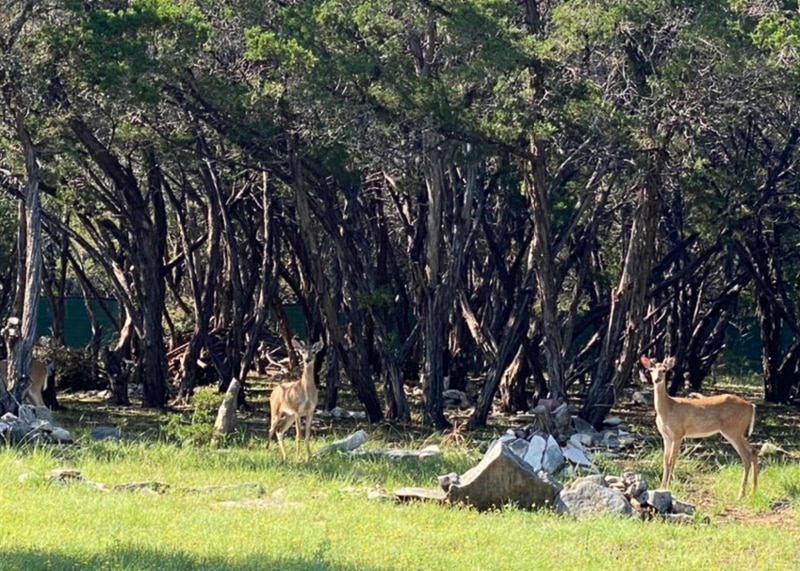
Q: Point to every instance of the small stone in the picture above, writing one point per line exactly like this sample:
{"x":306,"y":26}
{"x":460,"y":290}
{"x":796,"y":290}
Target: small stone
{"x":347,"y":444}
{"x":680,"y":507}
{"x":576,"y":456}
{"x":642,"y":397}
{"x":426,"y":494}
{"x":65,"y":475}
{"x":107,"y":433}
{"x":677,"y":518}
{"x":661,"y":500}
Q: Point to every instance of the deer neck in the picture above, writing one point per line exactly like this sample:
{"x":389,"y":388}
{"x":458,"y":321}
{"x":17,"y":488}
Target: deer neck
{"x":307,"y":380}
{"x":661,"y":398}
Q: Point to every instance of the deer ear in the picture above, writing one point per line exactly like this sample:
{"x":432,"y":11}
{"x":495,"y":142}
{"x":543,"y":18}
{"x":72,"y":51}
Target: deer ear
{"x":645,"y":361}
{"x":298,"y":346}
{"x":317,"y":347}
{"x":669,"y":363}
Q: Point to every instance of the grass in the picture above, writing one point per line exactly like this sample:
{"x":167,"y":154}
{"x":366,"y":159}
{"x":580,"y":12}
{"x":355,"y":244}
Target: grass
{"x":239,"y":507}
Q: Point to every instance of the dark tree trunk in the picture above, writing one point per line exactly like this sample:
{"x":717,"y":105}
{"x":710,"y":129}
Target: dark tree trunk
{"x":513,"y":397}
{"x":622,"y":335}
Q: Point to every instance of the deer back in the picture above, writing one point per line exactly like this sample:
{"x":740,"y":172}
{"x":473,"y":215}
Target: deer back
{"x":699,"y":417}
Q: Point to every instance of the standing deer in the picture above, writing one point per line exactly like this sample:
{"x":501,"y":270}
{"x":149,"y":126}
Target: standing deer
{"x":289,"y":402}
{"x":679,"y":418}
{"x":39,"y":373}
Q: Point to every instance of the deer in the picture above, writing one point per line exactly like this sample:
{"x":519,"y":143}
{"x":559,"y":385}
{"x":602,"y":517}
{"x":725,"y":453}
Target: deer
{"x":677,"y":418}
{"x":39,"y":373}
{"x":292,"y":401}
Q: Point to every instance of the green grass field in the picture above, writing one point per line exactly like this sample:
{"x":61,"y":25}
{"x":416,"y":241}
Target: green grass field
{"x":239,"y":507}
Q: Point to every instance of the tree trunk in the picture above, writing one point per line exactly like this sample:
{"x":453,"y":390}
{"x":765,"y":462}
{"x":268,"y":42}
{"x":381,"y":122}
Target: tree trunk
{"x":20,"y":330}
{"x":622,"y":336}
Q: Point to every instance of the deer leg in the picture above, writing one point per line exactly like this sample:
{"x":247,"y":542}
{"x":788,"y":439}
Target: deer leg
{"x":308,"y":437}
{"x":749,"y":459}
{"x":754,"y":461}
{"x":278,"y":427}
{"x":298,"y":434}
{"x":672,"y":447}
{"x":279,"y":435}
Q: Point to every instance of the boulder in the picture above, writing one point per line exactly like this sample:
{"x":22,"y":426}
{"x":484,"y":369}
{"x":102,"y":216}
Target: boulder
{"x":592,"y":495}
{"x":501,"y":478}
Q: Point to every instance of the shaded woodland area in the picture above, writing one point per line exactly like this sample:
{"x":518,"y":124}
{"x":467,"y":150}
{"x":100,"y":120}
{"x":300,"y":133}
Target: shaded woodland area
{"x":520,"y":196}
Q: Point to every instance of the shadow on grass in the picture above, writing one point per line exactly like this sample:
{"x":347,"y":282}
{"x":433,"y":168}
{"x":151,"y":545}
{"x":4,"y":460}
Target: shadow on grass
{"x":138,"y":559}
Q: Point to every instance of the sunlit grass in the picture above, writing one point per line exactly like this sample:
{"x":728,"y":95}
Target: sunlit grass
{"x":238,"y":506}
{"x":242,"y":508}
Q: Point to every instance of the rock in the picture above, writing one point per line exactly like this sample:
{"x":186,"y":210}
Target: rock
{"x":152,"y":488}
{"x":339,"y":412}
{"x":519,"y":447}
{"x":425,"y":494}
{"x":677,"y":518}
{"x":347,"y":444}
{"x":612,"y":421}
{"x":447,"y":480}
{"x":456,"y":399}
{"x":634,"y":485}
{"x":378,"y":494}
{"x":226,"y":416}
{"x":591,"y":495}
{"x":679,"y":507}
{"x":582,"y":440}
{"x":553,"y":458}
{"x":643,"y":397}
{"x":502,"y":478}
{"x":581,"y":426}
{"x":431,"y":451}
{"x":60,"y":435}
{"x":562,"y":420}
{"x":65,"y":475}
{"x":770,"y":449}
{"x":576,"y":456}
{"x":535,"y":452}
{"x":660,"y":500}
{"x":626,"y":440}
{"x":107,"y":433}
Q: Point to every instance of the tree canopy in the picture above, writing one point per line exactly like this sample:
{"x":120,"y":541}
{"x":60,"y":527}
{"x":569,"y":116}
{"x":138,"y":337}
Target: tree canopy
{"x":516,"y":199}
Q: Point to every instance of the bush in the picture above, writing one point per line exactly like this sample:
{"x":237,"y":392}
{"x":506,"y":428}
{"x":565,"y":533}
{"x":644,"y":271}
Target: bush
{"x":196,"y":427}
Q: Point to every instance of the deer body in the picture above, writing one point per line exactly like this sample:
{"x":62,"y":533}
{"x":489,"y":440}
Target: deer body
{"x":677,"y":418}
{"x":293,"y":401}
{"x":38,"y":374}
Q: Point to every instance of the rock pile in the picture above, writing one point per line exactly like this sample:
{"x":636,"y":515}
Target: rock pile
{"x":32,"y":425}
{"x":504,"y":478}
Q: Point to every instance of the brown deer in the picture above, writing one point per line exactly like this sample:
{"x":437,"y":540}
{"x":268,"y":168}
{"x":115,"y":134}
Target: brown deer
{"x":290,"y":402}
{"x":679,"y":418}
{"x":39,"y":373}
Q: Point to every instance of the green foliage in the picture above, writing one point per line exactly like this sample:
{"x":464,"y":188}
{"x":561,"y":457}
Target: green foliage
{"x":135,"y":48}
{"x":778,"y":34}
{"x":197,"y":428}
